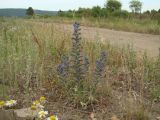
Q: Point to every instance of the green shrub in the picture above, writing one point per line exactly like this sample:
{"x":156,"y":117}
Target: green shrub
{"x":122,"y":14}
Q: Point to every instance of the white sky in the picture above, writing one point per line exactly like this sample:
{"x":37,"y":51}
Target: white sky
{"x":55,"y":5}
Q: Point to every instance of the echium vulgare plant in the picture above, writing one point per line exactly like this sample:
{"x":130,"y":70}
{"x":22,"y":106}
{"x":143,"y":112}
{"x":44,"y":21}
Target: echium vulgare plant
{"x":76,"y":57}
{"x":63,"y":68}
{"x":100,"y":66}
{"x":85,"y":65}
{"x":74,"y":71}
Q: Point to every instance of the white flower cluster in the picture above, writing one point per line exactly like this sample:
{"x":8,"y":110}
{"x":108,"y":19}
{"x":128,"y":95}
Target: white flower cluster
{"x":42,"y":114}
{"x":9,"y":103}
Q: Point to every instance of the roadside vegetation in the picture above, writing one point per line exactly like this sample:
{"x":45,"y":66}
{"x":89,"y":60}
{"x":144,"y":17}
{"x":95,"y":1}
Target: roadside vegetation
{"x":112,"y":16}
{"x":79,"y":77}
{"x":149,"y":26}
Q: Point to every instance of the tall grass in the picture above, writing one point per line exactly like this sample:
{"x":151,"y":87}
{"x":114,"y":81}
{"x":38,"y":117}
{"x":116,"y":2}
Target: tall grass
{"x":150,"y":26}
{"x":35,"y":56}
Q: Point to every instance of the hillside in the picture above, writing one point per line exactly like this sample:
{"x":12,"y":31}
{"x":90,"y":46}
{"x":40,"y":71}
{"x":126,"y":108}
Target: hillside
{"x":22,"y":12}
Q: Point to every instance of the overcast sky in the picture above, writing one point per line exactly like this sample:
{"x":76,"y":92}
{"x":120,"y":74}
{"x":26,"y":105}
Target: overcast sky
{"x":55,"y":5}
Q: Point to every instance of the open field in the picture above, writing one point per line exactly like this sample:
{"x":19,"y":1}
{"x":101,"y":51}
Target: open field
{"x":100,"y":74}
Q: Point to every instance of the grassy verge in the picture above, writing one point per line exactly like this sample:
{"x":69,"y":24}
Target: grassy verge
{"x":32,"y":60}
{"x":129,"y":24}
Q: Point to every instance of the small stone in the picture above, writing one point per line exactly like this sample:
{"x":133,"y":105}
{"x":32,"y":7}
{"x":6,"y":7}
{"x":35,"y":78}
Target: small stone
{"x":20,"y":114}
{"x":7,"y":115}
{"x":92,"y":116}
{"x":114,"y":117}
{"x":26,"y":113}
{"x":158,"y":118}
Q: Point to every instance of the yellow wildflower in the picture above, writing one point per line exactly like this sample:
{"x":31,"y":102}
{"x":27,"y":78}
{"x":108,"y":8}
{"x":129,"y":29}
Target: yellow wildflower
{"x":36,"y":102}
{"x":2,"y":104}
{"x":42,"y":98}
{"x":52,"y":118}
{"x":33,"y":107}
{"x":38,"y":105}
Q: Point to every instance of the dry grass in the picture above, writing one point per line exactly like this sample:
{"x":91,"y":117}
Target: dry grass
{"x":30,"y":53}
{"x":150,"y":26}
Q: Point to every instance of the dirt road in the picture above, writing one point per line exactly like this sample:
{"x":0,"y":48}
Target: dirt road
{"x":141,"y":42}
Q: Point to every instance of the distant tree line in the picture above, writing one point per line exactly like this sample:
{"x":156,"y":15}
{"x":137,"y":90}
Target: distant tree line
{"x":112,"y":8}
